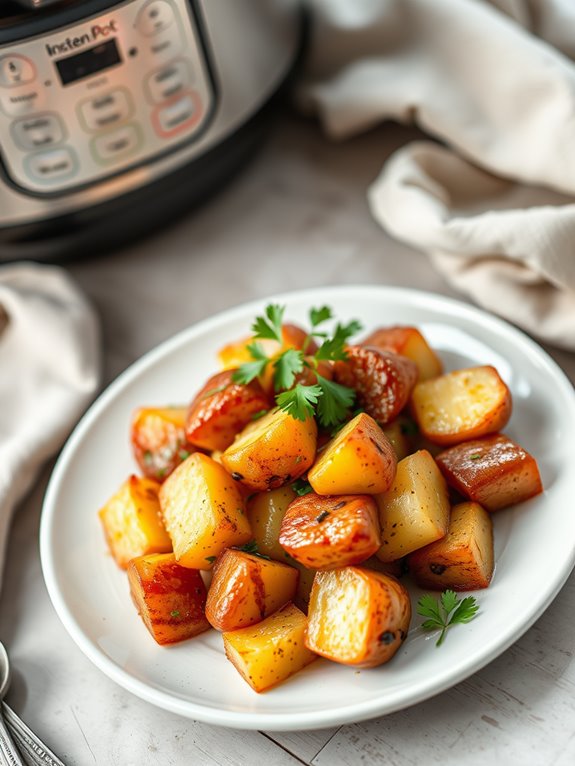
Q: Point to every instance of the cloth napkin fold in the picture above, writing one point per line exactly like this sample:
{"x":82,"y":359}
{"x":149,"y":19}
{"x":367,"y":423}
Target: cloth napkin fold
{"x":49,"y":372}
{"x":494,"y":81}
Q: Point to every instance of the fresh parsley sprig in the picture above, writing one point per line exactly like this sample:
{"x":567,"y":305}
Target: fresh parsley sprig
{"x":329,"y":400}
{"x":442,"y":614}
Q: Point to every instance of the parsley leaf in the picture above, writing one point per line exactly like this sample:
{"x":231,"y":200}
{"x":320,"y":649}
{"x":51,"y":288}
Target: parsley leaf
{"x":286,"y":367}
{"x":441,"y":613}
{"x":318,"y":316}
{"x":302,"y":487}
{"x":331,"y":400}
{"x":270,"y":326}
{"x":252,"y":370}
{"x":299,"y":401}
{"x":333,"y":349}
{"x":334,"y":403}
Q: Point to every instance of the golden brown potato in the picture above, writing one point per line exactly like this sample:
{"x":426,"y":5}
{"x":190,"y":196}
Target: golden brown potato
{"x":397,"y":432}
{"x":203,"y":511}
{"x":246,"y":588}
{"x":265,"y":512}
{"x":327,"y":532}
{"x":463,"y":559}
{"x":159,"y":440}
{"x":270,"y":651}
{"x":382,"y":380}
{"x":222,"y":409}
{"x":170,"y":598}
{"x":461,"y":405}
{"x":415,"y":510}
{"x":358,"y":460}
{"x":357,"y":616}
{"x":273,"y":451}
{"x":493,"y":471}
{"x":409,"y":342}
{"x":132,"y":521}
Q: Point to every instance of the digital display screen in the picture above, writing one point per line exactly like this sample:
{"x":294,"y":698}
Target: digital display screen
{"x":89,"y":62}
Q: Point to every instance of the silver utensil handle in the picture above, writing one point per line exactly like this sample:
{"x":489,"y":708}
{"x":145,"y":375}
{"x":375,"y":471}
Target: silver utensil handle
{"x":8,"y":753}
{"x":30,"y":744}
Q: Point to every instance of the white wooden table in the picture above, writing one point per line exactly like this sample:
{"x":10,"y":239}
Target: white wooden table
{"x":296,"y":218}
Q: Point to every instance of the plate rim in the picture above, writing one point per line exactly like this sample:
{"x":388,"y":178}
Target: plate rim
{"x":276,"y":721}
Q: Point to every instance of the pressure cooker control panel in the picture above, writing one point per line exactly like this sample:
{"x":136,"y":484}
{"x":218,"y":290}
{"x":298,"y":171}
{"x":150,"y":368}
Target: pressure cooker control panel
{"x":93,"y":99}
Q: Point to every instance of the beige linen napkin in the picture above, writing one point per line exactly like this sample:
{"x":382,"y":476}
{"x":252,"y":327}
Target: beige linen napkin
{"x":492,"y":79}
{"x":49,"y":371}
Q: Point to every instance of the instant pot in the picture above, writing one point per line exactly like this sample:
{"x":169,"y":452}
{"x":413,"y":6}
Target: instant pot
{"x":116,"y":116}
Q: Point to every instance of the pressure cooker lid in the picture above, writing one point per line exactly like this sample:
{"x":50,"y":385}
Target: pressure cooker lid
{"x":16,"y":10}
{"x":24,"y":18}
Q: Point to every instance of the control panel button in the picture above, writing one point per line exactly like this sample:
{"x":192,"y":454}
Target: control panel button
{"x":116,"y":144}
{"x":155,"y":17}
{"x":55,"y":165}
{"x":38,"y":131}
{"x":106,"y":110}
{"x":21,"y":102}
{"x":165,"y":47}
{"x":167,"y":82}
{"x":178,"y":115}
{"x":16,"y":70}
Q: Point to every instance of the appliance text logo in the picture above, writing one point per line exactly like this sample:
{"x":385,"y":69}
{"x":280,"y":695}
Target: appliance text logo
{"x":97,"y":32}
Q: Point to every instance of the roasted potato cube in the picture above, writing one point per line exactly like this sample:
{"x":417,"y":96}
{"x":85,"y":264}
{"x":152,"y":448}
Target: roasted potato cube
{"x":327,"y":532}
{"x":247,"y":588}
{"x":170,"y":598}
{"x":203,"y":511}
{"x":132,"y":521}
{"x":382,"y":380}
{"x":272,"y":451}
{"x":358,"y":460}
{"x":463,"y":559}
{"x":493,"y":471}
{"x":304,"y":585}
{"x":397,"y":433}
{"x":396,"y":568}
{"x":357,"y":616}
{"x":222,"y":409}
{"x":159,"y":440}
{"x":409,"y":342}
{"x":461,"y":405}
{"x":265,"y":512}
{"x":415,"y":510}
{"x":270,"y":651}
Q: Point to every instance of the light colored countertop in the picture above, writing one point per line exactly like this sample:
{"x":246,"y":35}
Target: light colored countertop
{"x":297,"y":217}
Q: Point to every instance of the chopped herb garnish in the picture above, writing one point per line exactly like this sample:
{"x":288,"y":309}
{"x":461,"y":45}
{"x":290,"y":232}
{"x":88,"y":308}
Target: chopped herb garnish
{"x":214,"y":391}
{"x":302,"y":487}
{"x":409,"y":428}
{"x":270,"y":325}
{"x":252,"y":370}
{"x":252,"y":547}
{"x":211,"y":559}
{"x":446,"y":611}
{"x":299,"y":401}
{"x":183,"y":454}
{"x":161,"y":473}
{"x":175,"y":613}
{"x":260,"y":414}
{"x":328,"y":400}
{"x":147,"y":457}
{"x":475,"y":456}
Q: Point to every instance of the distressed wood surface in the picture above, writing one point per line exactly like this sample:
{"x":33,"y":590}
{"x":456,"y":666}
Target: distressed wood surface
{"x":297,"y":217}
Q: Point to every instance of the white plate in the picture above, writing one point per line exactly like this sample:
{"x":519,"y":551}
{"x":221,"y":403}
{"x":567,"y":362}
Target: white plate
{"x":535,"y":542}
